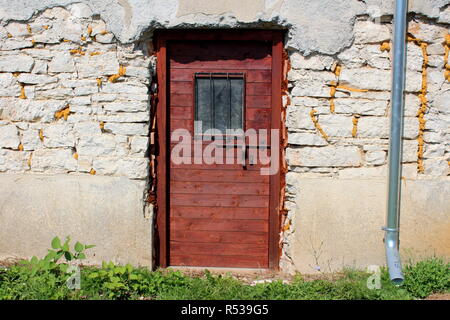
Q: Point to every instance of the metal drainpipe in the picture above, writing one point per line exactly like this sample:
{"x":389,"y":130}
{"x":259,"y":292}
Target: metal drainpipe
{"x":391,"y":238}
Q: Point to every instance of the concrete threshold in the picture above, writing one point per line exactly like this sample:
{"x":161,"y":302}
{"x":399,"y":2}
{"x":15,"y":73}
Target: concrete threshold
{"x":221,"y":270}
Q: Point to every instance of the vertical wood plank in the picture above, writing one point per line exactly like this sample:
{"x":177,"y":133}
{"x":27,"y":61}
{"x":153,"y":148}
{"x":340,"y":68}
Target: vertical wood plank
{"x":274,"y":199}
{"x":161,"y":159}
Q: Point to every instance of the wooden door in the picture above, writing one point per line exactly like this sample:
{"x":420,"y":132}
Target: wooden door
{"x":218,"y":214}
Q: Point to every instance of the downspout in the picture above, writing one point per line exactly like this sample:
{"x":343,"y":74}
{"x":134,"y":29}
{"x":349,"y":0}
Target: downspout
{"x":391,"y":238}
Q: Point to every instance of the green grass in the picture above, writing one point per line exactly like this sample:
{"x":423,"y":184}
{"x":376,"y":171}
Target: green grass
{"x":126,"y":282}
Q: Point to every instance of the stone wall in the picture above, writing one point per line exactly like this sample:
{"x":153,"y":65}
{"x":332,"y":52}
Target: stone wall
{"x":62,"y":108}
{"x":74,"y":123}
{"x":338,"y":122}
{"x":74,"y":102}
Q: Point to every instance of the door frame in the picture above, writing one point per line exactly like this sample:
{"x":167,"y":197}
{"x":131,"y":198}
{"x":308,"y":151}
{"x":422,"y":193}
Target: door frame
{"x":162,"y":37}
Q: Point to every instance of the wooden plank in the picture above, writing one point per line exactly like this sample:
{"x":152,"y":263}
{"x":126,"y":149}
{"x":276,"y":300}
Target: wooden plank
{"x":259,"y":115}
{"x":200,"y":50}
{"x":224,"y":200}
{"x":258,"y":89}
{"x":274,"y":203}
{"x":213,"y":173}
{"x":181,"y":124}
{"x":219,"y":236}
{"x":250,"y":75}
{"x":181,"y":113}
{"x":244,"y":64}
{"x":257,"y":125}
{"x":218,"y":249}
{"x":217,"y":167}
{"x":162,"y":225}
{"x":219,"y":213}
{"x":181,"y":100}
{"x":258,"y":102}
{"x":182,"y":87}
{"x":218,"y":261}
{"x":240,"y":225}
{"x":218,"y":175}
{"x":212,"y":155}
{"x":219,"y":188}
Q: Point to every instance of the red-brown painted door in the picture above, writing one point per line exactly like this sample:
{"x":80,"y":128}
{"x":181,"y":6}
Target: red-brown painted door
{"x":218,"y":213}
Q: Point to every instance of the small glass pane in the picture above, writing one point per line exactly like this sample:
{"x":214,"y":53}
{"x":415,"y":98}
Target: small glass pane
{"x":203,"y":111}
{"x":237,"y":110}
{"x":219,"y":102}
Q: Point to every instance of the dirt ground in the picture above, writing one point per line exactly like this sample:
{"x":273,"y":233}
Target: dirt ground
{"x":439,"y":296}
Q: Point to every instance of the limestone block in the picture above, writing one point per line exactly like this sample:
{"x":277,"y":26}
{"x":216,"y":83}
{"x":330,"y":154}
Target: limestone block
{"x":53,"y":161}
{"x":373,"y":127}
{"x":13,"y":161}
{"x":39,"y":53}
{"x":58,"y":135}
{"x":12,"y":44}
{"x":126,"y":117}
{"x":17,"y":29}
{"x":126,"y":106}
{"x":370,"y":32}
{"x":79,"y":83}
{"x":312,"y":83}
{"x":142,"y":73}
{"x":434,"y":150}
{"x":62,"y":62}
{"x":30,"y":110}
{"x":7,"y":79}
{"x":436,"y":167}
{"x":134,"y":168}
{"x":329,"y":156}
{"x":434,"y":137}
{"x":139,"y":144}
{"x":83,"y":101}
{"x":84,"y":163}
{"x":104,"y":97}
{"x":85,"y":91}
{"x":56,"y":93}
{"x":129,"y":129}
{"x":128,"y":88}
{"x":361,"y":106}
{"x":30,"y":139}
{"x":95,"y":145}
{"x":9,"y":136}
{"x":336,"y":125}
{"x":306,"y":139}
{"x":444,"y":16}
{"x":40,"y":67}
{"x":375,"y":157}
{"x":376,"y":79}
{"x":106,"y":165}
{"x":352,"y":57}
{"x":16,"y":63}
{"x":28,"y":78}
{"x":87,"y":128}
{"x":298,"y":118}
{"x":415,"y":58}
{"x":99,"y":65}
{"x":376,"y":58}
{"x":441,"y":102}
{"x":409,"y":150}
{"x":311,"y":63}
